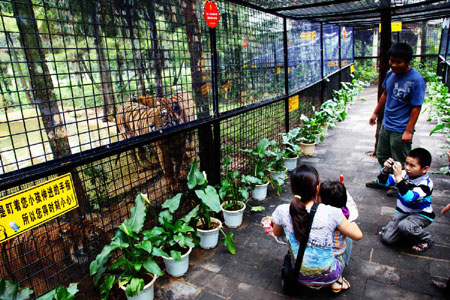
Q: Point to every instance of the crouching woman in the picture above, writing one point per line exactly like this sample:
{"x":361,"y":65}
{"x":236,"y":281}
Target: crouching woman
{"x":319,"y":266}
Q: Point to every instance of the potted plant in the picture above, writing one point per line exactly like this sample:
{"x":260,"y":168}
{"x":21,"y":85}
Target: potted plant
{"x":174,"y":236}
{"x":276,"y":165}
{"x":307,"y":135}
{"x":12,"y":290}
{"x":292,"y":149}
{"x":135,"y":270}
{"x":61,"y":292}
{"x":233,"y":194}
{"x":259,"y":178}
{"x":329,"y":113}
{"x":208,"y":200}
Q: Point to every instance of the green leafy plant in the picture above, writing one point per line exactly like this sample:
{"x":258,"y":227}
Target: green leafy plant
{"x":61,"y":293}
{"x":10,"y":290}
{"x":308,"y":130}
{"x":136,"y":261}
{"x":290,"y":141}
{"x":208,"y":201}
{"x":258,"y":159}
{"x":232,"y":191}
{"x":173,"y":236}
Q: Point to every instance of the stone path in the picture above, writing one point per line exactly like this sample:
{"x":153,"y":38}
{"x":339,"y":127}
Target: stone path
{"x":375,"y":271}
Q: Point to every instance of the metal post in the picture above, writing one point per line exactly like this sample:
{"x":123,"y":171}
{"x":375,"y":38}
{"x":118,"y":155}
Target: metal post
{"x":214,"y":172}
{"x":339,"y":56}
{"x":322,"y":74}
{"x":286,"y":75}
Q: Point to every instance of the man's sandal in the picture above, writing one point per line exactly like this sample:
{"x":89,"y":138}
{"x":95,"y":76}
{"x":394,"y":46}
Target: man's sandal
{"x":343,"y":285}
{"x":422,"y":246}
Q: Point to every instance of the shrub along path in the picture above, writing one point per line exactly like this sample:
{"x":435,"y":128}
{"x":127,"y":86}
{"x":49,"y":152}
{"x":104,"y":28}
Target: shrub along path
{"x":375,"y":271}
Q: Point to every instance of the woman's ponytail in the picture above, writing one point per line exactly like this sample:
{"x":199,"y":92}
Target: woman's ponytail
{"x":304,"y":182}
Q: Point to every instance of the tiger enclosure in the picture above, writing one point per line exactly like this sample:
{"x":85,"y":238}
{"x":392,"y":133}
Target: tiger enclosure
{"x":123,"y":96}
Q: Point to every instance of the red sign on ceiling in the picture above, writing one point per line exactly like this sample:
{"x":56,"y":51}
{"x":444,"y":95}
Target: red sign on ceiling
{"x":211,"y":14}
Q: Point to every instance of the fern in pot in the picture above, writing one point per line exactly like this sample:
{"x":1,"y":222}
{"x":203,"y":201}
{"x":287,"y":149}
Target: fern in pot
{"x":135,"y":269}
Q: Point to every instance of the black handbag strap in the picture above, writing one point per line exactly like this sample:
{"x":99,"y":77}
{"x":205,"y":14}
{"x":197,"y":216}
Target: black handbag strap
{"x":301,"y":251}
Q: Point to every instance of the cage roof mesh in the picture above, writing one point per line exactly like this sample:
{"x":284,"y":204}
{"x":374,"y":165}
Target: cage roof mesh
{"x":354,"y":13}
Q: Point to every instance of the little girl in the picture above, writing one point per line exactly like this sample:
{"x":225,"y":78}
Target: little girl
{"x":334,"y":193}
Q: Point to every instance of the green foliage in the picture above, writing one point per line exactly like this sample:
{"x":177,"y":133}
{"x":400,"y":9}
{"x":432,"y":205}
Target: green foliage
{"x":136,"y":261}
{"x":290,"y":141}
{"x":10,"y":290}
{"x":365,"y":72}
{"x":232,"y":191}
{"x":259,"y":162}
{"x":208,"y":201}
{"x":308,"y":130}
{"x":61,"y":293}
{"x":172,"y":234}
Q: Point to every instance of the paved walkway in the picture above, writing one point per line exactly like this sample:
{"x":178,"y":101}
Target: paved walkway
{"x":375,"y":271}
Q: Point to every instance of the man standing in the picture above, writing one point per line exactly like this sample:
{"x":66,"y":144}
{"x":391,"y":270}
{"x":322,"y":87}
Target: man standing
{"x":402,"y":99}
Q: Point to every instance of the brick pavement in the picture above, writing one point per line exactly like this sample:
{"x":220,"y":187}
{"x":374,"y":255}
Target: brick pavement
{"x":375,"y":271}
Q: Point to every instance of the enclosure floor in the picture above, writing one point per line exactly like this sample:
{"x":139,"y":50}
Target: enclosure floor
{"x":375,"y":271}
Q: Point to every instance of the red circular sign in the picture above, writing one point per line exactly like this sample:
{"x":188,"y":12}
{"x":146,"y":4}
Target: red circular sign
{"x":244,"y":43}
{"x":212,"y":15}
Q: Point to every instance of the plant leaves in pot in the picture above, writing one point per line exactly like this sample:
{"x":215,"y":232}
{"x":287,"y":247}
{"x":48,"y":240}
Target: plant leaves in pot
{"x":233,"y":194}
{"x":259,"y":178}
{"x":135,"y":267}
{"x":290,"y":141}
{"x":174,"y":237}
{"x":207,"y":198}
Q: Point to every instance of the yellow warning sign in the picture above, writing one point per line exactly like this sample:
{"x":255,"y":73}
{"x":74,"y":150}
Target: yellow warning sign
{"x":395,"y":26}
{"x":333,"y":63}
{"x":308,"y":35}
{"x":352,"y":68}
{"x":32,"y":207}
{"x":278,"y":69}
{"x":293,"y":103}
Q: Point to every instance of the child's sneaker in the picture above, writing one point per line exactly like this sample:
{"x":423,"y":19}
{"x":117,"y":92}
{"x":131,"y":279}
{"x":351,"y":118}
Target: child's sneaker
{"x":374,"y":185}
{"x":392,"y":192}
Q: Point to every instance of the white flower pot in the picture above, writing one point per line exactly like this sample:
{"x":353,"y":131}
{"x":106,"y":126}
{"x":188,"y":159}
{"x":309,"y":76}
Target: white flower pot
{"x":233,"y":218}
{"x":209,"y":238}
{"x":147,"y":293}
{"x":290,"y":163}
{"x":177,"y":268}
{"x":279,"y":176}
{"x":260,"y":192}
{"x":308,"y":149}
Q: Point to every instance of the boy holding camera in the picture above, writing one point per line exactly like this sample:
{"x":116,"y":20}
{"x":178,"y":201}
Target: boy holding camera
{"x":413,"y":211}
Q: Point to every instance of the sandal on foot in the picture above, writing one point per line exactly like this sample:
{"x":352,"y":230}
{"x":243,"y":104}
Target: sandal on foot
{"x":343,"y":285}
{"x":422,"y":246}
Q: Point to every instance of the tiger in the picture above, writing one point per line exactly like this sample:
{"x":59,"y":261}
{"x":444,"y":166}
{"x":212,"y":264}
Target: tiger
{"x":180,"y":103}
{"x":133,"y":119}
{"x":43,"y":257}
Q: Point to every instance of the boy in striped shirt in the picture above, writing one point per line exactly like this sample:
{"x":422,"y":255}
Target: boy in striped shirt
{"x":413,"y":211}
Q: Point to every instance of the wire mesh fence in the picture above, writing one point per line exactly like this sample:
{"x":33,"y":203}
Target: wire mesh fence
{"x":423,"y":37}
{"x":120,"y":94}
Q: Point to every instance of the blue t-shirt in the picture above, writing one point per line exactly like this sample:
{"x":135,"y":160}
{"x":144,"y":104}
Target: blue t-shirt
{"x":402,"y":93}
